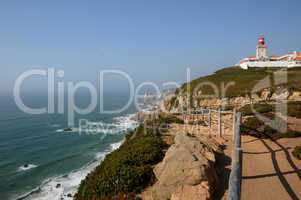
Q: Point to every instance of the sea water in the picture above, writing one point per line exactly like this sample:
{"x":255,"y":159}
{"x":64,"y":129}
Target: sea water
{"x":38,"y":160}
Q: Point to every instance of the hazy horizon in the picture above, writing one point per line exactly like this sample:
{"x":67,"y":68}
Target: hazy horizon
{"x":151,"y":41}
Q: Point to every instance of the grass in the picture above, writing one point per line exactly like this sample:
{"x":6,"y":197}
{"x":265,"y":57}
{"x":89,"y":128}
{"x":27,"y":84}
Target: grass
{"x":253,"y":123}
{"x":258,"y":107}
{"x":294,"y":109}
{"x":257,"y":128}
{"x":290,"y":134}
{"x":126,"y":171}
{"x":169,"y":119}
{"x":297,"y":152}
{"x":244,"y":80}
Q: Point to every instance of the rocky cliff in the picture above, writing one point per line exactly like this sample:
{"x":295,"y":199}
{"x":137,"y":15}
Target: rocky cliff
{"x":234,"y":87}
{"x":187,"y":170}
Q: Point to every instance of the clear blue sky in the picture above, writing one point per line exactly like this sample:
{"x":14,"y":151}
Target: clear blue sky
{"x":152,"y":40}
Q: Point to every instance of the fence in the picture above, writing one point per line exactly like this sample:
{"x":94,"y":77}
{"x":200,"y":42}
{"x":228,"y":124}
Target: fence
{"x":217,"y":117}
{"x":235,"y":175}
{"x":218,"y":122}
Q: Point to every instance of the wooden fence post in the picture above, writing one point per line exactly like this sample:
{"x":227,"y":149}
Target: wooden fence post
{"x":209,"y":115}
{"x":219,"y":123}
{"x":234,"y":123}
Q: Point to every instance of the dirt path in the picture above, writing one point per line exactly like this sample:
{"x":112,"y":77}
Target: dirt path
{"x":269,"y":169}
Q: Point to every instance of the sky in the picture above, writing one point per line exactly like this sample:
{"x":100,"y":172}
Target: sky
{"x":151,"y":40}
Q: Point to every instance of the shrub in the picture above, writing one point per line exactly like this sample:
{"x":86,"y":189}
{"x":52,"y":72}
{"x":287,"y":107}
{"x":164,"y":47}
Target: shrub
{"x":128,"y":170}
{"x":260,"y":108}
{"x":290,"y":134}
{"x":294,"y":109}
{"x":297,"y":152}
{"x":255,"y":127}
{"x":244,"y":129}
{"x":169,"y":119}
{"x":269,"y":131}
{"x":227,"y":107}
{"x":253,"y":123}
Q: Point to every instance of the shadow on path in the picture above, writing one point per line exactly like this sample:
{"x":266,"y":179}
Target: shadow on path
{"x":289,"y":159}
{"x":264,"y":152}
{"x":222,"y":161}
{"x":268,"y":175}
{"x":280,"y":175}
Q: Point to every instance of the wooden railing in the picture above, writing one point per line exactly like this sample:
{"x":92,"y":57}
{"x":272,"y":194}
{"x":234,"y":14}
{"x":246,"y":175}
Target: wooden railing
{"x":236,"y":165}
{"x":215,"y":120}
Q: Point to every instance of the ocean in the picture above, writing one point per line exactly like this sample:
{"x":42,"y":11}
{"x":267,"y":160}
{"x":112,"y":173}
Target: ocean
{"x":40,"y":161}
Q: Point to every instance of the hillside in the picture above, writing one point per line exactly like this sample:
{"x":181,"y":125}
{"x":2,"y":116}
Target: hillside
{"x":244,"y":80}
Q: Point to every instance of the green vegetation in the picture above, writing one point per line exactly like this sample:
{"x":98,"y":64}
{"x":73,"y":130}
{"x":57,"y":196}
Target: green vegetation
{"x":126,"y":171}
{"x":290,"y":134}
{"x":258,"y":107}
{"x":255,"y":127}
{"x":174,"y":102}
{"x":294,"y":109}
{"x":169,"y":119}
{"x":297,"y":152}
{"x":227,"y":108}
{"x":244,"y":80}
{"x":251,"y":126}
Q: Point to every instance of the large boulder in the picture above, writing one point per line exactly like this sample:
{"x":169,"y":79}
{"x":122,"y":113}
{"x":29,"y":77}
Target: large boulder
{"x":266,"y":94}
{"x":187,"y":168}
{"x":281,"y":94}
{"x":295,"y":96}
{"x":196,"y":192}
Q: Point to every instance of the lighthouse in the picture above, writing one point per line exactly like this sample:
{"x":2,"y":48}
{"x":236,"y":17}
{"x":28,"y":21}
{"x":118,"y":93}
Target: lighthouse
{"x":263,"y":60}
{"x":261,"y":50}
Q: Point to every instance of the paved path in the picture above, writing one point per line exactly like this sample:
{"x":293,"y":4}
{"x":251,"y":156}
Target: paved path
{"x":269,"y":169}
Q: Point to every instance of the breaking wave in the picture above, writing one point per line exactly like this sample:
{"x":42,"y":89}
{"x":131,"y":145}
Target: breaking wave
{"x":64,"y":187}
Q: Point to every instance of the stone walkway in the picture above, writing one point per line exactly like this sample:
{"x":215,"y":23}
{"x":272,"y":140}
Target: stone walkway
{"x":269,"y":169}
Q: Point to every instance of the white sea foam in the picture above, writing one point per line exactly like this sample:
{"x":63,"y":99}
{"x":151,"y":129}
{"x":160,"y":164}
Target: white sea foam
{"x":74,"y":130}
{"x":119,"y":125}
{"x":58,"y":188}
{"x":55,"y":125}
{"x":26,"y":167}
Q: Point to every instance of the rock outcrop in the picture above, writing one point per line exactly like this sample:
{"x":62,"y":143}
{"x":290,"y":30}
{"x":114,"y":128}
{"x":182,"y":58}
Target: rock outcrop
{"x":186,"y":172}
{"x":266,"y":94}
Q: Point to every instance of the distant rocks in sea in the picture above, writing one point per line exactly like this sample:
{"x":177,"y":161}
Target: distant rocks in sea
{"x":26,"y":167}
{"x":68,"y":129}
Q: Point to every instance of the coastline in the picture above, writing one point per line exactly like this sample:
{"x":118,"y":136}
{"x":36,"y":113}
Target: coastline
{"x":65,"y":186}
{"x":68,"y":182}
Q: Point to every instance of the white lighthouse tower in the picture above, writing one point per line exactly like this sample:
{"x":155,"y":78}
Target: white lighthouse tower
{"x":261,"y":50}
{"x":263,"y":60}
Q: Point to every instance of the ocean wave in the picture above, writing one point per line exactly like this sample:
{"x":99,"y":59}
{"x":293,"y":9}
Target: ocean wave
{"x":65,"y":187}
{"x":55,"y":125}
{"x":119,"y":125}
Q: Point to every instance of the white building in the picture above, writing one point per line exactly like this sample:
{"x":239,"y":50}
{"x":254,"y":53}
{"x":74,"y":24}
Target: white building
{"x":263,"y":60}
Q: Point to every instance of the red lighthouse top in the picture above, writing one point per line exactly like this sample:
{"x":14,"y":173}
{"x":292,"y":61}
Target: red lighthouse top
{"x":261,"y":41}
